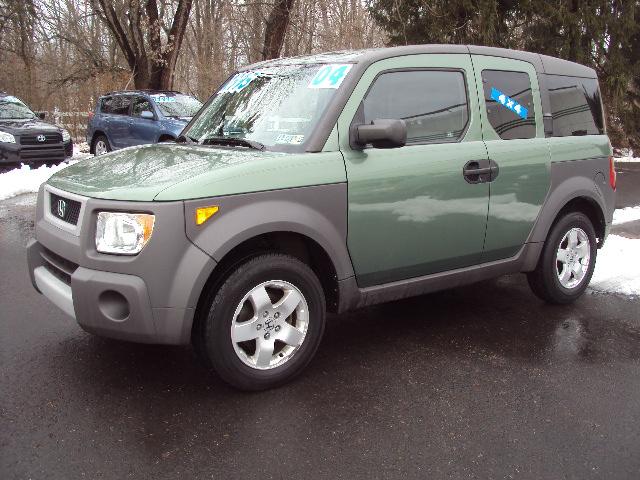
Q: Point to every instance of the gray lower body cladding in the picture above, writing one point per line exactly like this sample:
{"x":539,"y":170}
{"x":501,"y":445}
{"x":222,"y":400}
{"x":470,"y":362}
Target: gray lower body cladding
{"x":150,"y":297}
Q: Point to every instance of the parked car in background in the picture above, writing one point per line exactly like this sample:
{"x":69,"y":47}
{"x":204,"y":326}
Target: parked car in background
{"x":125,"y":119}
{"x":26,"y":138}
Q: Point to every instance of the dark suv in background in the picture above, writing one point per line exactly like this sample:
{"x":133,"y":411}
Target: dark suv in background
{"x":125,"y":119}
{"x":26,"y":138}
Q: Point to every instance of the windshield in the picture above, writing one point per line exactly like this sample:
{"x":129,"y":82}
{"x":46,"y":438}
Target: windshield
{"x":11,"y":107}
{"x":177,"y":104}
{"x":277,"y":107}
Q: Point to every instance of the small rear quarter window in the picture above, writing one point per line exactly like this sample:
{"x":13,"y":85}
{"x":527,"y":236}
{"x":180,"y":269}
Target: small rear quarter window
{"x":106,"y":105}
{"x":575,"y":106}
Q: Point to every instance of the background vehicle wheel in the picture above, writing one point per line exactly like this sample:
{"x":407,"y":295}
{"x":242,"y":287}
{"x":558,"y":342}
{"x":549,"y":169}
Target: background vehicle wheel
{"x":265,"y":322}
{"x":101,"y":145}
{"x":567,"y":261}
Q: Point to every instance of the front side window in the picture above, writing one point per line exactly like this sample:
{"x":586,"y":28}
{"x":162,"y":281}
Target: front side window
{"x":140,"y":105}
{"x":12,"y":108}
{"x":433,"y":103}
{"x":177,"y":105}
{"x":575,"y":106}
{"x":276,"y":107}
{"x":509,"y":102}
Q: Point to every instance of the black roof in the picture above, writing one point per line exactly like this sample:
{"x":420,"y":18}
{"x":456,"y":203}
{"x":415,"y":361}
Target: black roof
{"x":143,"y":91}
{"x":542,"y":63}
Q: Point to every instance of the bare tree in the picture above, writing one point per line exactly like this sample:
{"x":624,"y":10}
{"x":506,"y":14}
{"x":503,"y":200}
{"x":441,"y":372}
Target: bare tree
{"x":139,"y":29}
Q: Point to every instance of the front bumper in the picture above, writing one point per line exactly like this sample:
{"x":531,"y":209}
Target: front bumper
{"x":149,"y":298}
{"x":14,"y":153}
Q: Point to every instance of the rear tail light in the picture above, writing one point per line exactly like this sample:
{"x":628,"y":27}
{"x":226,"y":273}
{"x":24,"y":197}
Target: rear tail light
{"x":90,"y":116}
{"x":612,"y":172}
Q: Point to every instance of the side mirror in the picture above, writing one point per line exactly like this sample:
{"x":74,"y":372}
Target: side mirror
{"x":41,"y":115}
{"x":381,"y":133}
{"x":147,"y":114}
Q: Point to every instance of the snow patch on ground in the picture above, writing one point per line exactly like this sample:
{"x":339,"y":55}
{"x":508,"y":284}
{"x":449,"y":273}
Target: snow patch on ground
{"x":618,"y":266}
{"x":628,"y":214}
{"x":28,"y":180}
{"x":627,"y":159}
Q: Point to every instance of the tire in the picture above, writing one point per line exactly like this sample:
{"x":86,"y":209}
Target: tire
{"x":95,"y":147}
{"x":241,"y":335}
{"x":547,"y":280}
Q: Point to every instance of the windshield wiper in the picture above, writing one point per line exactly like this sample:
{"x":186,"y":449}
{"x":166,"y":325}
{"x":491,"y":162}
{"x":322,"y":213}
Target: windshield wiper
{"x":233,"y":142}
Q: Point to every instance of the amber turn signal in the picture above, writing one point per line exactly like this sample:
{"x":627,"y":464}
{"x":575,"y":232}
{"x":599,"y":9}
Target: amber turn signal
{"x":204,"y":213}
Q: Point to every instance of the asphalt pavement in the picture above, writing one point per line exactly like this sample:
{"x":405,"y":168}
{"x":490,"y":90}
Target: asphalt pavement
{"x":484,"y":381}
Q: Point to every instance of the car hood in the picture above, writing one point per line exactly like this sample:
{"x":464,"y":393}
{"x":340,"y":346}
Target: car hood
{"x":141,"y":173}
{"x":31,"y":125}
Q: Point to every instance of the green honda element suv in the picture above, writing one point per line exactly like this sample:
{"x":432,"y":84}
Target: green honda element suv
{"x":327,"y":183}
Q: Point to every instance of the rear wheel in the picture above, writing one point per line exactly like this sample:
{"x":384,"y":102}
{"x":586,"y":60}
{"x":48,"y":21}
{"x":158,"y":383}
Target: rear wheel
{"x":567,"y":261}
{"x":101,"y":145}
{"x":265,"y":322}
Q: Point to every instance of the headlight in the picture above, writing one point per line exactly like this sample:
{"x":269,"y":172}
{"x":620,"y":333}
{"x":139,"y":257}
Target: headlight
{"x":65,"y":136}
{"x":123,"y":233}
{"x":7,"y":138}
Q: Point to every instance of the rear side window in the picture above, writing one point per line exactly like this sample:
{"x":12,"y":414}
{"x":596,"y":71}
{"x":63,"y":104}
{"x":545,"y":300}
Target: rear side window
{"x":433,"y":103}
{"x":575,"y":106}
{"x":509,"y":102}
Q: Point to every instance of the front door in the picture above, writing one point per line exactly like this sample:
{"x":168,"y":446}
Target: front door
{"x":142,"y":130}
{"x":412,"y":211}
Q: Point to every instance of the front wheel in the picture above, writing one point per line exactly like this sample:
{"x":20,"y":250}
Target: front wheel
{"x":265,"y":323}
{"x":567,"y":261}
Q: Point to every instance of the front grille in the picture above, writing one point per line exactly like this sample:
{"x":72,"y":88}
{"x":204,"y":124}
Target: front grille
{"x":32,"y":139}
{"x":65,"y":209}
{"x":44,"y":154}
{"x":58,"y":266}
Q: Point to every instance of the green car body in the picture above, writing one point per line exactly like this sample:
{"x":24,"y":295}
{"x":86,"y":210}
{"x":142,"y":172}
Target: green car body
{"x":374,"y":224}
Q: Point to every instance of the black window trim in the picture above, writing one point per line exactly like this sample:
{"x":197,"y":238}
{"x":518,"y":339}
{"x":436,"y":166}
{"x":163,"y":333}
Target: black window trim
{"x":533,"y":100}
{"x":357,"y":118}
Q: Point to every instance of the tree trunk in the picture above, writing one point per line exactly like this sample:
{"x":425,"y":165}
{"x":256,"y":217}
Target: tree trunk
{"x":276,"y":28}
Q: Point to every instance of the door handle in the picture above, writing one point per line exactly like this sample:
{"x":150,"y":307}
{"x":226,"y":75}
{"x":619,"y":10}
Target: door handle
{"x":480,"y":171}
{"x":476,"y":171}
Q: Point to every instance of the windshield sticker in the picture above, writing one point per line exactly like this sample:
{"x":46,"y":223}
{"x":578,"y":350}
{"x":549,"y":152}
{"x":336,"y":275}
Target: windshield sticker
{"x":163,"y":99}
{"x":330,"y":76}
{"x":238,"y":82}
{"x":509,"y":103}
{"x":290,"y":139}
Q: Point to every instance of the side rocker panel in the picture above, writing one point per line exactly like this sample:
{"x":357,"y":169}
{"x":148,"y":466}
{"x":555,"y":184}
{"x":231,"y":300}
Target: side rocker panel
{"x":318,"y":212}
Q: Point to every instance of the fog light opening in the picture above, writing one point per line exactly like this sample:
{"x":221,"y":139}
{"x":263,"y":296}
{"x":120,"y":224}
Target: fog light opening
{"x":113,"y":305}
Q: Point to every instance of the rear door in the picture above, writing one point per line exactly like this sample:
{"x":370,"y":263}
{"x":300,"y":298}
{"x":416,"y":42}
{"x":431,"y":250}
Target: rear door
{"x":513,"y":133}
{"x":412,"y":212}
{"x":118,"y":123}
{"x":142,"y":130}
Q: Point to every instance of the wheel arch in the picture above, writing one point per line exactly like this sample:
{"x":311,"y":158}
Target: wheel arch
{"x":574,"y":194}
{"x":307,"y":223}
{"x":165,"y":137}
